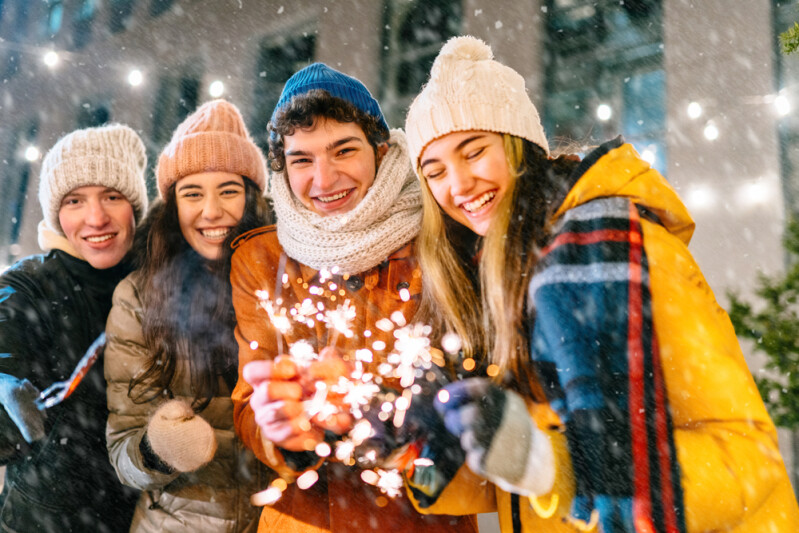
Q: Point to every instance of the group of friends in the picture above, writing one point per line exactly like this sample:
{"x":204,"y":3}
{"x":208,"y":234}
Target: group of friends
{"x":608,"y":391}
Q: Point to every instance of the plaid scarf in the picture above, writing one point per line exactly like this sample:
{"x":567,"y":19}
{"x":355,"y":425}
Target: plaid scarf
{"x":595,"y":351}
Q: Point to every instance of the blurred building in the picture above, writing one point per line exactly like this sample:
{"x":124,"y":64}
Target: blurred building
{"x":698,"y":87}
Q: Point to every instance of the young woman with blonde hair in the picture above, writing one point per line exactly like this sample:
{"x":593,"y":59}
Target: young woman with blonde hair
{"x":621,"y":400}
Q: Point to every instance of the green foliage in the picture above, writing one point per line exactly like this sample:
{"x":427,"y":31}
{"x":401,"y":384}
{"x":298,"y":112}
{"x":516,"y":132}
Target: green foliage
{"x":789,"y":39}
{"x":774,"y":328}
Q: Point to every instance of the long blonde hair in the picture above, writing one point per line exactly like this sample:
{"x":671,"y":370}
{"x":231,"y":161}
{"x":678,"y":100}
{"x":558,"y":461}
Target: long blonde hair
{"x":492,"y":322}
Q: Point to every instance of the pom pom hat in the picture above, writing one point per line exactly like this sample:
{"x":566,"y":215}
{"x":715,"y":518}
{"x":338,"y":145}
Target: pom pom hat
{"x":338,"y":84}
{"x":213,"y":138}
{"x":109,"y":156}
{"x":468,"y":90}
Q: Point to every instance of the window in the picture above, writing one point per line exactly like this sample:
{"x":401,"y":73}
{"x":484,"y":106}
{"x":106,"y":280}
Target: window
{"x":785,"y":14}
{"x":279,"y":58}
{"x":119,"y":12}
{"x":604,"y":74}
{"x":54,"y":17}
{"x":82,"y":23}
{"x":414,"y":33}
{"x":14,"y":186}
{"x":158,"y":7}
{"x":177,"y":96}
{"x":90,"y":115}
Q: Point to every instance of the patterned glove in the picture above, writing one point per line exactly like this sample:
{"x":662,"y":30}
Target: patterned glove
{"x":179,"y":438}
{"x":17,"y":397}
{"x":501,"y":441}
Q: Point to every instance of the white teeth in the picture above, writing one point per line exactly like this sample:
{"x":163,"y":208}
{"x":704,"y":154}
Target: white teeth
{"x":334,"y":197}
{"x":474,"y":205}
{"x":100,"y":238}
{"x":215,"y":233}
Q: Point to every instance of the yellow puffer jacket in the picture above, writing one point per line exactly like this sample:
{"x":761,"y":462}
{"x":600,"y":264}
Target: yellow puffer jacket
{"x":732,"y":474}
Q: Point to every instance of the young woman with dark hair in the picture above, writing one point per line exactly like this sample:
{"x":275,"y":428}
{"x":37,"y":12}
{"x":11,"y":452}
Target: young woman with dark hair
{"x":616,"y":396}
{"x":171,"y":360}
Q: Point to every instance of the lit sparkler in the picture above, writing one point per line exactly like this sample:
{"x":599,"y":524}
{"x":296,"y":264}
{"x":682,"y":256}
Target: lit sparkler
{"x":409,"y":359}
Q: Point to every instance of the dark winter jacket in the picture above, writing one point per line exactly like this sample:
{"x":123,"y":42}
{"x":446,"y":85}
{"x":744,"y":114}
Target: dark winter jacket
{"x":51,"y":309}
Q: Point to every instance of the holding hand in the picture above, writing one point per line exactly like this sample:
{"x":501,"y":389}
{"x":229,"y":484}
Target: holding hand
{"x":18,"y":397}
{"x":328,"y":369}
{"x":277,"y":403}
{"x":501,"y":441}
{"x":181,"y":439}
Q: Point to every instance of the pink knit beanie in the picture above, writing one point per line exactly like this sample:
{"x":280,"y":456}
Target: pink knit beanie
{"x":213,"y":138}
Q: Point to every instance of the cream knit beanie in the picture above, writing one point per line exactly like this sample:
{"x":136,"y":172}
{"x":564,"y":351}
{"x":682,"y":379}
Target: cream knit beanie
{"x":108,"y":156}
{"x":213,"y":138}
{"x":468,"y":90}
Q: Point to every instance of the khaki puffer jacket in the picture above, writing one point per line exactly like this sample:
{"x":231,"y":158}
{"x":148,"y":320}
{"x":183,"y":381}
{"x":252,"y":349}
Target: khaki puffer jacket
{"x":213,"y":498}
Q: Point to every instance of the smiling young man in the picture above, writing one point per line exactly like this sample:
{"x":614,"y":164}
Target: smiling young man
{"x":348,"y":209}
{"x":52,"y":307}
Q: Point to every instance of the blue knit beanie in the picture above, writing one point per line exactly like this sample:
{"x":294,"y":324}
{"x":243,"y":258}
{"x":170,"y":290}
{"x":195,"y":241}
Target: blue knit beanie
{"x":338,"y":84}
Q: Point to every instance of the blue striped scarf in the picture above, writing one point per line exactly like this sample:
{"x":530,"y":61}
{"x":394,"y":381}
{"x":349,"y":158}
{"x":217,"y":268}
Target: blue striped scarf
{"x":595,"y":352}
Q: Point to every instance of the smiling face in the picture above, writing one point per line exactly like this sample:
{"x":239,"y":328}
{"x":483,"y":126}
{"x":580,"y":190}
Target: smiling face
{"x":330,"y":166}
{"x":468,"y":175}
{"x":209,"y":204}
{"x":98,"y":222}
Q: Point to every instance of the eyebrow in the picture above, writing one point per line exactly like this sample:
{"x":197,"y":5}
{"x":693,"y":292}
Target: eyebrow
{"x":460,"y":145}
{"x":331,"y":146}
{"x":220,"y":186}
{"x":74,"y":194}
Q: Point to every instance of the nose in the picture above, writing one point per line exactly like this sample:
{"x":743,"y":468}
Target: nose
{"x":96,"y":215}
{"x":324,"y":175}
{"x":461,"y":179}
{"x":212,"y":208}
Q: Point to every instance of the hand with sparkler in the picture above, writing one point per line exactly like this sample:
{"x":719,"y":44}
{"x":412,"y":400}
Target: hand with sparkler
{"x":282,"y":392}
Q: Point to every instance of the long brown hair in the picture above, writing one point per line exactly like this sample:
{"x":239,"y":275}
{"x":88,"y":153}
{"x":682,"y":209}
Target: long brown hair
{"x":489,"y":315}
{"x":187,"y":310}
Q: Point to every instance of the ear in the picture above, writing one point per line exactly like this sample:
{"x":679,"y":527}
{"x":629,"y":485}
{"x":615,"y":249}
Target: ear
{"x":380,"y":151}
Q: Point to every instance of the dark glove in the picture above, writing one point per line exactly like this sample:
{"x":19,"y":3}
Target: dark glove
{"x":421,"y":447}
{"x":18,"y":397}
{"x":498,"y":435}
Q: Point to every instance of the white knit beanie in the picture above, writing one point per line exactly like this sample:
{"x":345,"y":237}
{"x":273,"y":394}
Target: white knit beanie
{"x":468,"y":90}
{"x":109,"y":156}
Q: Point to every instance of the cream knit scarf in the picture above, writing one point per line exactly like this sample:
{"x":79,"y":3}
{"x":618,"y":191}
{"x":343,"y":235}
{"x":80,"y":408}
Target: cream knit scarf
{"x":388,"y":217}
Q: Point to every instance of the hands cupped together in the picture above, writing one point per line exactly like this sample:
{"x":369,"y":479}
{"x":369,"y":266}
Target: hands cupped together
{"x":281,"y":389}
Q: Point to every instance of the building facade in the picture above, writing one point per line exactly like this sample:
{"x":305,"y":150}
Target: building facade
{"x":698,"y":87}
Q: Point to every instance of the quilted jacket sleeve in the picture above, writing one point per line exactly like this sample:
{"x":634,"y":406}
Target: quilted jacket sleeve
{"x":125,"y":356}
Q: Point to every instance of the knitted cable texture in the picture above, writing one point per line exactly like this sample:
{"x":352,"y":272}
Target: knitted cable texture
{"x":387,"y":218}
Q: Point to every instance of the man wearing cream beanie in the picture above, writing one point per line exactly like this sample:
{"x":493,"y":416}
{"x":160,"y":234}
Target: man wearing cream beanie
{"x":52,"y":307}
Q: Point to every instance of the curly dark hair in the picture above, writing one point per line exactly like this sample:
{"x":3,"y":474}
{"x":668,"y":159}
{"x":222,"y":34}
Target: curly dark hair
{"x":303,"y":110}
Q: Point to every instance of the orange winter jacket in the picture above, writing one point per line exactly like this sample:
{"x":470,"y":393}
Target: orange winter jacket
{"x":339,"y":501}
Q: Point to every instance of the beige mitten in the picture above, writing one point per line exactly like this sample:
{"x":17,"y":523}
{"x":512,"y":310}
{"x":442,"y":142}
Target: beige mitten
{"x":181,"y":439}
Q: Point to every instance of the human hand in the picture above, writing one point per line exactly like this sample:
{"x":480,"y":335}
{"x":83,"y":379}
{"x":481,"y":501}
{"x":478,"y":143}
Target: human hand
{"x":498,"y":435}
{"x":277,"y":402}
{"x":326,"y":372}
{"x":180,"y":438}
{"x":18,"y":397}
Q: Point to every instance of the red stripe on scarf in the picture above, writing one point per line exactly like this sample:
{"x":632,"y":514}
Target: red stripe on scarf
{"x":664,"y":449}
{"x":590,"y":237}
{"x":642,"y":503}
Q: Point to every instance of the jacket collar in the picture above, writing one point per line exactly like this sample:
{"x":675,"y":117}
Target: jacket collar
{"x":616,"y":169}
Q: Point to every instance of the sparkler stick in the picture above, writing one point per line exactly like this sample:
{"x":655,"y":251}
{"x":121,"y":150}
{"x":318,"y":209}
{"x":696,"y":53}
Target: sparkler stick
{"x":61,"y":390}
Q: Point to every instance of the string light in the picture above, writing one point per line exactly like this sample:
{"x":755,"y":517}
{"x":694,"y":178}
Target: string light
{"x":604,"y":112}
{"x":50,"y":58}
{"x":694,"y":110}
{"x":135,"y":77}
{"x":216,"y":89}
{"x":32,"y":153}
